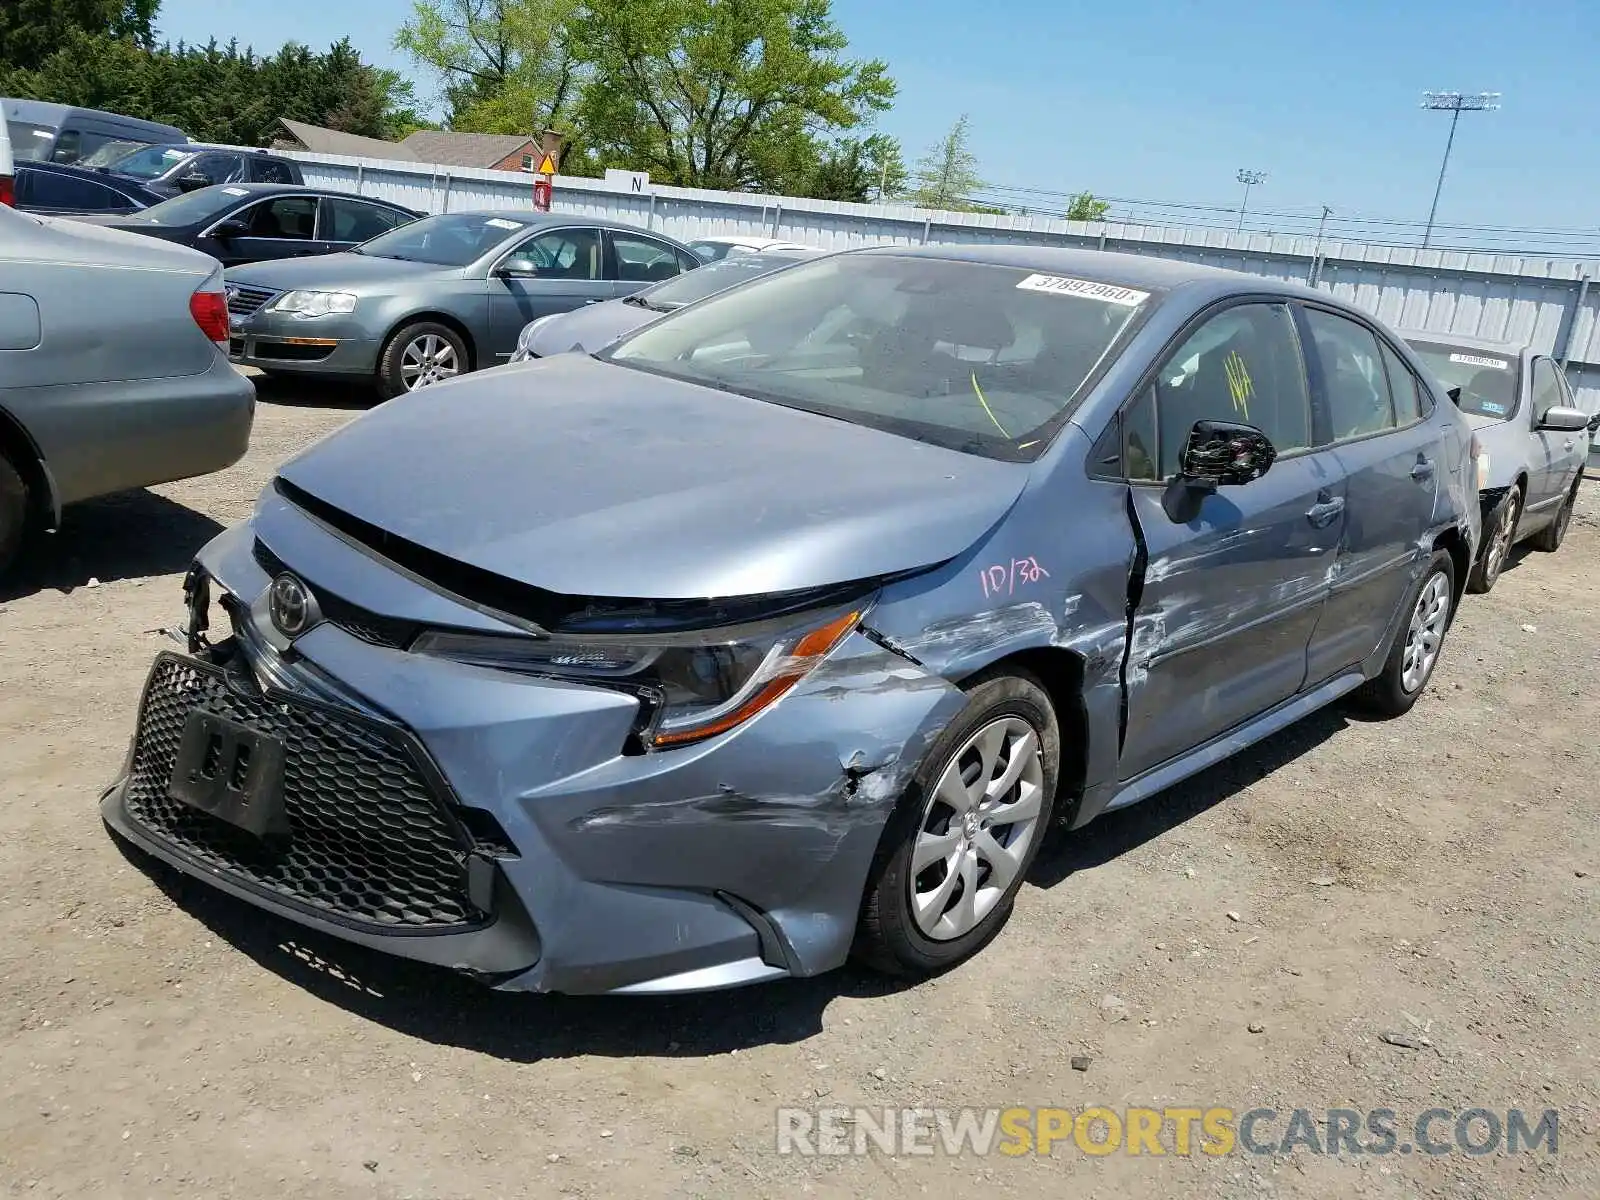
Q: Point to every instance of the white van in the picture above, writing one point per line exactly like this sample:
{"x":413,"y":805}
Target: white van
{"x":62,"y":133}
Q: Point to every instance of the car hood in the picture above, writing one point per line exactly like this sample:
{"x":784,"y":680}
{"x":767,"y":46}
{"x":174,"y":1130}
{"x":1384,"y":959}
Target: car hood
{"x":590,"y":479}
{"x":591,"y":327}
{"x":335,"y":270}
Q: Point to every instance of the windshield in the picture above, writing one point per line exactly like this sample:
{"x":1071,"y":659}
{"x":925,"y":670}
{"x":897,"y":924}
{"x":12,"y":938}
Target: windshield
{"x":192,"y":207}
{"x":109,"y":152}
{"x":452,"y":240}
{"x":712,"y":278}
{"x":149,"y":162}
{"x":978,"y":358}
{"x":29,"y":141}
{"x":1487,"y":378}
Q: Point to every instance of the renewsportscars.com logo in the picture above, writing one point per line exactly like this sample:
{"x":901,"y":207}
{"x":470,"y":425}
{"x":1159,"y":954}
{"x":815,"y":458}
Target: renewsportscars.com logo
{"x":1098,"y":1131}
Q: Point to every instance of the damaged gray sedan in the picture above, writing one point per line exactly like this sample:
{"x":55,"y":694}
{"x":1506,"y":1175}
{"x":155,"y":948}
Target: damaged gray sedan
{"x":786,"y":627}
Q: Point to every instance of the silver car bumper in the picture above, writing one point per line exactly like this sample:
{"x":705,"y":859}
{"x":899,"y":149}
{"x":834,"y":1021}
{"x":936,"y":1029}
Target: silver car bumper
{"x":582,"y":868}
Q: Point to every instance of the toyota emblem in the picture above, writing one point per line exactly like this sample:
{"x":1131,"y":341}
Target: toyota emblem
{"x":292,"y":607}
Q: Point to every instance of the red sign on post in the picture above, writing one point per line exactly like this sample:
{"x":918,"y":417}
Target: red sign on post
{"x":541,"y":194}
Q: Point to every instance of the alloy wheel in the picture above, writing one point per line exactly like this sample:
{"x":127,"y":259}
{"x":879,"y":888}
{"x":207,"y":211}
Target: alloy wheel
{"x":427,"y":360}
{"x":977,"y":828}
{"x":1505,"y":531}
{"x":1426,"y":633}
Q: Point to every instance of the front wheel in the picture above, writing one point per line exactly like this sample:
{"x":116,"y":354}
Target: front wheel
{"x":419,"y":356}
{"x":1415,"y":650}
{"x":1497,"y":545}
{"x":955,"y":852}
{"x":13,"y":514}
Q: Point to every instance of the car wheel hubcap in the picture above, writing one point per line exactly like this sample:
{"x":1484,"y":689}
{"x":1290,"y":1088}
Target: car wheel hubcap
{"x":426,"y":360}
{"x":1500,"y":548}
{"x":976,"y":828}
{"x":1426,"y":632}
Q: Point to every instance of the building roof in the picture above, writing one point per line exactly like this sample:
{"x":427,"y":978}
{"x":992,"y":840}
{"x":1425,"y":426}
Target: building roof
{"x":464,"y":149}
{"x":334,"y":141}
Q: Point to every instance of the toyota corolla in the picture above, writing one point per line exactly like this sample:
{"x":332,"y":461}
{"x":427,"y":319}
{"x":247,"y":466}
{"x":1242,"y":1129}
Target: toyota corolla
{"x":785,"y":627}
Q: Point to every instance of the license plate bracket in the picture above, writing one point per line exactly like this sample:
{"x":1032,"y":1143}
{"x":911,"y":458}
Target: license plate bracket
{"x":233,"y":772}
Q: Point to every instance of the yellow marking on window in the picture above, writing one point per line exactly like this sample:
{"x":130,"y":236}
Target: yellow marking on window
{"x":1239,"y":384}
{"x":979,"y":392}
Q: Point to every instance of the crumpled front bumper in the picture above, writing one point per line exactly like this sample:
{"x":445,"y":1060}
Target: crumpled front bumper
{"x":737,"y":859}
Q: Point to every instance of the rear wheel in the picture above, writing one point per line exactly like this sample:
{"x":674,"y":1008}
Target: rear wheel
{"x":419,"y":356}
{"x":1549,"y":538}
{"x":954,"y":854}
{"x":1498,"y":541}
{"x":1415,"y":650}
{"x":13,"y":514}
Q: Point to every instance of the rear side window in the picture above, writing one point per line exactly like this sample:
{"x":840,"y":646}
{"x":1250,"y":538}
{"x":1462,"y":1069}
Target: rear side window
{"x":1241,"y":365}
{"x":354,"y":220}
{"x":48,"y":190}
{"x":271,"y":170}
{"x":1547,"y":392}
{"x":1352,"y":374}
{"x":1402,"y":387}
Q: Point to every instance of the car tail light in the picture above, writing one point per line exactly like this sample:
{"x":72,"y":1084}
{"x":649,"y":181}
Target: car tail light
{"x":8,"y":191}
{"x":210,"y":312}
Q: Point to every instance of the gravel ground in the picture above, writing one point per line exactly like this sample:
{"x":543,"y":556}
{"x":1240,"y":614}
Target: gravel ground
{"x":1242,"y":941}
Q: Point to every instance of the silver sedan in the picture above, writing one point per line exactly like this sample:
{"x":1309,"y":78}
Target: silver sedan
{"x":112,"y":372}
{"x":437,"y":298}
{"x":1533,"y":441}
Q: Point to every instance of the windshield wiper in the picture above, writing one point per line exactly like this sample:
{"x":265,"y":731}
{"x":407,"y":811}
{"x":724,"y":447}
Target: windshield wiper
{"x":643,"y":303}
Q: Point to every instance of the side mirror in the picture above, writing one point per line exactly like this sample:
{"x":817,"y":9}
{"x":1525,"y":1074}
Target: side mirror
{"x":1564,"y":420}
{"x":231,"y":229}
{"x":192,"y":183}
{"x":1217,"y":454}
{"x":517,"y":267}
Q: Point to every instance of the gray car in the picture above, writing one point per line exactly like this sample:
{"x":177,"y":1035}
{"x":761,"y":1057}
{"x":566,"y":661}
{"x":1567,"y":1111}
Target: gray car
{"x":112,"y":369}
{"x":445,"y":295}
{"x":1533,"y":441}
{"x":596,"y":325}
{"x":785,"y":627}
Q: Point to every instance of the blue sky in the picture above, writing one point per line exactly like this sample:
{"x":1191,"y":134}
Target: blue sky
{"x":1163,"y":100}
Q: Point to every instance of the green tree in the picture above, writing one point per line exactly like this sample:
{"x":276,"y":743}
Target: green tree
{"x":719,"y":93}
{"x":31,"y":30}
{"x":1083,"y":206}
{"x":855,"y":169}
{"x":948,"y":173}
{"x":507,"y":66}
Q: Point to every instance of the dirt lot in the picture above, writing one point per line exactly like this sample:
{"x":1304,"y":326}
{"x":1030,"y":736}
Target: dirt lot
{"x":1436,"y":878}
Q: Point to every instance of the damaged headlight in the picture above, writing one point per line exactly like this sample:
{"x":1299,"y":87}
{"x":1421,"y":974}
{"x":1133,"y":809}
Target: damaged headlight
{"x":698,"y":684}
{"x":524,"y":350}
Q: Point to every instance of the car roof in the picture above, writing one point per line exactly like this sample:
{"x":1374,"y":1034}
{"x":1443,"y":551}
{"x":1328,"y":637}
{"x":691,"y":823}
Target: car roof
{"x":272,"y":189}
{"x":1109,"y":266}
{"x":534,"y":219}
{"x":1463,"y":340}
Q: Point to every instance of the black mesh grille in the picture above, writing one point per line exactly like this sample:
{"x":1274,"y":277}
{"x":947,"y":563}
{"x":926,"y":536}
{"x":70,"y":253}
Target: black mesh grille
{"x":369,"y":843}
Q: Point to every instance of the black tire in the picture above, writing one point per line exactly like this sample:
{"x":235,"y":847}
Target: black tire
{"x":1549,"y":538}
{"x":888,"y":937}
{"x":14,"y":510}
{"x":391,"y":364}
{"x":1492,"y":561}
{"x":1387,"y":693}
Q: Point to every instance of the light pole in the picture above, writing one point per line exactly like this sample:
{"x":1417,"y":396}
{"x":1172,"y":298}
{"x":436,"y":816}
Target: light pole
{"x":1454,"y":103}
{"x":1249,"y":179}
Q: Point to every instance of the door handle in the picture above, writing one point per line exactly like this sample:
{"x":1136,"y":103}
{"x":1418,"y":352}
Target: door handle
{"x":1322,"y":514}
{"x":1423,"y":470}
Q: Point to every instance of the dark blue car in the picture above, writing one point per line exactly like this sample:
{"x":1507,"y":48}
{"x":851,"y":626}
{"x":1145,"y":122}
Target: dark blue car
{"x":785,"y":627}
{"x":53,"y":189}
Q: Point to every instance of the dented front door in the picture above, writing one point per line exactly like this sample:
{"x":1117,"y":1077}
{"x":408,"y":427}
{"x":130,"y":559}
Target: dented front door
{"x":1227,"y":605}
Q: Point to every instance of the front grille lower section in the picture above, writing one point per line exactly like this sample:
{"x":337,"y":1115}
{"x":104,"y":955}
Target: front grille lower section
{"x":371,"y":844}
{"x":243,"y":301}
